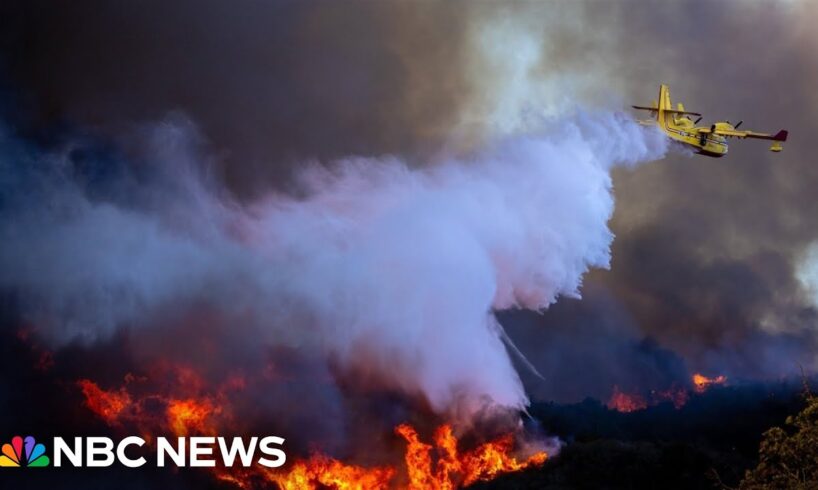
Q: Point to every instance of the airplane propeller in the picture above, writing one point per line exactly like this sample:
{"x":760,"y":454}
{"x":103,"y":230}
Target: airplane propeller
{"x":697,"y":120}
{"x":737,"y":125}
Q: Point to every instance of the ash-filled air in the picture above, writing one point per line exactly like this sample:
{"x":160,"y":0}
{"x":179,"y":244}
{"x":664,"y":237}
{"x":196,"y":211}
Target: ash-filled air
{"x":390,"y":272}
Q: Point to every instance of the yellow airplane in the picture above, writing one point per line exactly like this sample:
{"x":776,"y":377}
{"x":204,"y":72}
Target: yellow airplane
{"x":710,"y":141}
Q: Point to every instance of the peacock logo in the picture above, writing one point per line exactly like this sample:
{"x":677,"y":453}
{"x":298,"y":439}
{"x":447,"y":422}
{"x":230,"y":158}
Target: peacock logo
{"x":13,"y":454}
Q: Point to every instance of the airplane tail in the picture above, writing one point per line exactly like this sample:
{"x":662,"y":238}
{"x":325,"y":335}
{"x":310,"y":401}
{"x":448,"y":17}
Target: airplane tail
{"x":664,"y":104}
{"x":663,"y":108}
{"x":778,"y":138}
{"x":664,"y":99}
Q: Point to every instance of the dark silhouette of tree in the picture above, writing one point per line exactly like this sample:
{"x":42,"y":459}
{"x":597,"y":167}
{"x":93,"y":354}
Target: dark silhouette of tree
{"x":788,"y":456}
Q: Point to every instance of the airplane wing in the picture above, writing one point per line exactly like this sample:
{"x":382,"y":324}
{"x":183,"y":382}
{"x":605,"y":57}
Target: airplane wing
{"x":776,"y":138}
{"x":669,"y":111}
{"x":779,"y":136}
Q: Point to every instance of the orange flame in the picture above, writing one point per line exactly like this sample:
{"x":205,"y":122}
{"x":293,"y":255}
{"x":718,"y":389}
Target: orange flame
{"x":108,"y":405}
{"x":188,"y":416}
{"x":626,"y":403}
{"x":436,"y":467}
{"x":453,"y":470}
{"x":321,"y":471}
{"x":701,"y":382}
{"x":677,"y":396}
{"x":428,"y":467}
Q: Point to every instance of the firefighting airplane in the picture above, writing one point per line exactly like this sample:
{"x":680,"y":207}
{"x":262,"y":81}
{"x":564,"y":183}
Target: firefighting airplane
{"x":710,"y":141}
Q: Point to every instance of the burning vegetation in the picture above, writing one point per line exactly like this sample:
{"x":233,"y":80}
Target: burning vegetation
{"x":454,"y":469}
{"x":678,"y":396}
{"x":701,"y":382}
{"x":623,"y":402}
{"x":442,"y":465}
{"x":719,"y":430}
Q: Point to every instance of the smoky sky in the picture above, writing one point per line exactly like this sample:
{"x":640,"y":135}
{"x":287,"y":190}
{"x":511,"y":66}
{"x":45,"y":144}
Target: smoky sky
{"x":271,"y":84}
{"x":703,"y":272}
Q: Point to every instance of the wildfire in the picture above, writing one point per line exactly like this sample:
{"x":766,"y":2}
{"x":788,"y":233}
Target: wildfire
{"x":188,"y":416}
{"x":676,"y":395}
{"x":679,"y":396}
{"x":484,"y":462}
{"x":321,"y":471}
{"x":626,"y":403}
{"x":453,"y":469}
{"x":108,"y":405}
{"x":438,"y":466}
{"x":194,"y":414}
{"x":428,"y":467}
{"x":701,"y":382}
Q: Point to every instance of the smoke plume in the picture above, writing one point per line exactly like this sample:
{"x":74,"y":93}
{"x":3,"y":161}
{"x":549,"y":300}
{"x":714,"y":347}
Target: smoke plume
{"x":389,"y":272}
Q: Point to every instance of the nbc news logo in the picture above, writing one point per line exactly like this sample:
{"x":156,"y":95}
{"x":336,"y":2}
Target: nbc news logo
{"x":185,"y":451}
{"x":24,"y":452}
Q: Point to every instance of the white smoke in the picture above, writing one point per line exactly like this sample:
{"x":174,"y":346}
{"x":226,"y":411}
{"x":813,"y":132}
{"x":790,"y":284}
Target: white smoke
{"x":806,"y":272}
{"x":378,"y":266}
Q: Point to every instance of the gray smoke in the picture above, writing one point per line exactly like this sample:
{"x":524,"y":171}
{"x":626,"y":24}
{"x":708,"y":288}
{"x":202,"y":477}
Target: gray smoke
{"x":382,"y":268}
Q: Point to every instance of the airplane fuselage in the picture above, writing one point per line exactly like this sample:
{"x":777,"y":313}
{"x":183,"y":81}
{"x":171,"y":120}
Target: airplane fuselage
{"x":683,"y":130}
